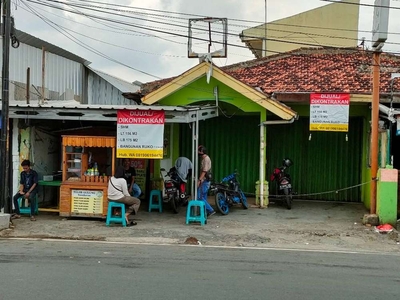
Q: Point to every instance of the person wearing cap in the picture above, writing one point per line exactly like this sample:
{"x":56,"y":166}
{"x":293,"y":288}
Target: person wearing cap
{"x":203,"y":184}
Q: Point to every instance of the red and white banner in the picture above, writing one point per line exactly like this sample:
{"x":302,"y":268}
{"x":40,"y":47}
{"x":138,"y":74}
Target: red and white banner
{"x":329,"y":112}
{"x":140,"y":134}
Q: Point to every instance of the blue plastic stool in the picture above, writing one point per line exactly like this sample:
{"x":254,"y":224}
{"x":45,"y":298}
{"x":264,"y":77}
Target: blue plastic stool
{"x":26,"y":210}
{"x":115,"y":219}
{"x":193,"y":207}
{"x":158,"y":205}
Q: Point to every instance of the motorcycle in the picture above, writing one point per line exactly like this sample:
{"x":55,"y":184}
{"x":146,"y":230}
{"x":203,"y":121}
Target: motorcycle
{"x":175,"y":189}
{"x":284,"y":182}
{"x":228,"y":193}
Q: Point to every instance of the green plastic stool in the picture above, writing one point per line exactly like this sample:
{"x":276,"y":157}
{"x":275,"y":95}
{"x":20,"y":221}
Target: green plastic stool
{"x":196,"y":212}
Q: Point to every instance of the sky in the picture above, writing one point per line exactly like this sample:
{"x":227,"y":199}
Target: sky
{"x":133,"y":53}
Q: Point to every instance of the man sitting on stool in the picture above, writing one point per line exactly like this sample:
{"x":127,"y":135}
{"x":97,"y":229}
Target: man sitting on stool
{"x":28,"y":187}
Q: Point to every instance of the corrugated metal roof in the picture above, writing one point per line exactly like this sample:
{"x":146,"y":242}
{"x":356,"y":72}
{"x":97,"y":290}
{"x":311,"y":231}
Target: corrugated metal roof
{"x":122,"y":85}
{"x":72,"y":104}
{"x":28,"y":39}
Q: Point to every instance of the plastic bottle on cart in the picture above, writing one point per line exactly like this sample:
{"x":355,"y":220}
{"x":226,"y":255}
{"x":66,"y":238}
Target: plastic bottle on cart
{"x":96,"y":170}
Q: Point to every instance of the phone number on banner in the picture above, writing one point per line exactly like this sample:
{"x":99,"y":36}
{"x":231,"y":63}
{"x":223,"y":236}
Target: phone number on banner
{"x":329,"y":127}
{"x":133,"y":153}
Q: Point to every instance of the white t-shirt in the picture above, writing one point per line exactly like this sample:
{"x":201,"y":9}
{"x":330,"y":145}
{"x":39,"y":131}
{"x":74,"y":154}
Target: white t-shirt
{"x":118,"y":189}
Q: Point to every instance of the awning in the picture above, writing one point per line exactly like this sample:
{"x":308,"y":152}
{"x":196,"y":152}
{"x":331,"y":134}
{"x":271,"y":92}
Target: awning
{"x":73,"y":110}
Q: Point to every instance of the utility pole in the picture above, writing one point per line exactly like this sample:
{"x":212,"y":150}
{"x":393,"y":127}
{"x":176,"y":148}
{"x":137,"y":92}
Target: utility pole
{"x":4,"y":137}
{"x":379,"y":37}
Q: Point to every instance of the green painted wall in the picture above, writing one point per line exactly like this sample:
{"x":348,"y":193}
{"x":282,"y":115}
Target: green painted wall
{"x":386,"y":207}
{"x":200,"y":91}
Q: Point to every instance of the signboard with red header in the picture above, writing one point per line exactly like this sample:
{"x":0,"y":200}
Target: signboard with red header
{"x":329,"y":112}
{"x":140,"y":134}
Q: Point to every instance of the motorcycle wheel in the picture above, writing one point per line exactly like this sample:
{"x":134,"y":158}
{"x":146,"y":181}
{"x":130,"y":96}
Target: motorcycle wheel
{"x":288,"y":198}
{"x":243,"y":200}
{"x":221,"y":204}
{"x":175,"y":204}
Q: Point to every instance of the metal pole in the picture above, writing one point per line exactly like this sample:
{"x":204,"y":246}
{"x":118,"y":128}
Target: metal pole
{"x":196,"y":145}
{"x":28,"y":85}
{"x":43,"y":72}
{"x":262,"y":166}
{"x":194,"y":156}
{"x":374,"y":130}
{"x":4,"y":138}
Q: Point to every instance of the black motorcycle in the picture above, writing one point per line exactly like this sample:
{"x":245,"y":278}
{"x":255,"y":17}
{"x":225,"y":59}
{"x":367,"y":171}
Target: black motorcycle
{"x":228,"y":193}
{"x":284,"y":182}
{"x":175,"y":189}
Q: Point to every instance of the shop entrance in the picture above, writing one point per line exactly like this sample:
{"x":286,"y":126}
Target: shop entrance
{"x":40,"y":131}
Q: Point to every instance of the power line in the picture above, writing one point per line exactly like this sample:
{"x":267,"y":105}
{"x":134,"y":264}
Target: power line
{"x":119,"y":32}
{"x":113,"y":60}
{"x":91,"y":49}
{"x":179,"y":35}
{"x":129,"y":24}
{"x":233,"y":19}
{"x":276,"y":39}
{"x":361,"y":4}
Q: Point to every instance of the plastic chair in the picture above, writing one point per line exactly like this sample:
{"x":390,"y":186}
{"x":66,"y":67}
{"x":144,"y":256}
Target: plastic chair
{"x":113,"y":218}
{"x":196,"y":212}
{"x":158,"y":205}
{"x":26,"y":210}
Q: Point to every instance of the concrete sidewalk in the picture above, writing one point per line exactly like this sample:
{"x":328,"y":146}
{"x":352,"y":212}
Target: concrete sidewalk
{"x":309,"y":225}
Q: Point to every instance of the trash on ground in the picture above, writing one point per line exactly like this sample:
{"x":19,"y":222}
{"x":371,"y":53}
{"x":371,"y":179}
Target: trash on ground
{"x":385,"y":228}
{"x":192,"y":241}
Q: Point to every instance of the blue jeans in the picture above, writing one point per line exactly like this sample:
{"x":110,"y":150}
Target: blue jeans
{"x":136,"y":190}
{"x":32,"y":201}
{"x":202,"y":192}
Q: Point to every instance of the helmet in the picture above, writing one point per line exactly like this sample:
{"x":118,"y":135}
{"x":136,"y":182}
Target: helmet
{"x":287,"y":162}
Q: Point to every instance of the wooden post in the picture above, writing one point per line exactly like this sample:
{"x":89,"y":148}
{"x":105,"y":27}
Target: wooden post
{"x":374,"y":130}
{"x":28,"y":85}
{"x":43,"y":72}
{"x":113,"y":162}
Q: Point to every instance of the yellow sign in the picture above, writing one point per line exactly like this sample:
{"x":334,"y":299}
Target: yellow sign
{"x":87,"y":202}
{"x":128,"y":153}
{"x":330,"y":127}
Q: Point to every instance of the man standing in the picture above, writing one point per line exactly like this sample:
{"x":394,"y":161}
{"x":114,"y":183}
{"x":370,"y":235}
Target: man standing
{"x":130,"y":174}
{"x":183,"y":167}
{"x":204,"y":179}
{"x":28,"y":187}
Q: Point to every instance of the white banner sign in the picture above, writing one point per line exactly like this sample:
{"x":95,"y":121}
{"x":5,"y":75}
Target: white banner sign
{"x":329,"y":112}
{"x":140,"y":134}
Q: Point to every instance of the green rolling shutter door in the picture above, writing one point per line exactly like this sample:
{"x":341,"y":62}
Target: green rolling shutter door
{"x":325,"y":163}
{"x":232,"y":143}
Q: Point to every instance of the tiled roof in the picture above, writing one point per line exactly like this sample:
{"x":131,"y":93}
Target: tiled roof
{"x":308,"y":70}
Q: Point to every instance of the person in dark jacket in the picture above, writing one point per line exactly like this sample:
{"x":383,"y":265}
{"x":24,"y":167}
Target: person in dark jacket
{"x":28,"y":188}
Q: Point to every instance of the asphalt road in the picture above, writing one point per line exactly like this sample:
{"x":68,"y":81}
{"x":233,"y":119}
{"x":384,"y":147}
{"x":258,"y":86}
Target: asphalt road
{"x":83,"y":270}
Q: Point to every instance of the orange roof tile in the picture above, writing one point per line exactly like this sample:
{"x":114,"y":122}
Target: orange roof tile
{"x":308,"y":70}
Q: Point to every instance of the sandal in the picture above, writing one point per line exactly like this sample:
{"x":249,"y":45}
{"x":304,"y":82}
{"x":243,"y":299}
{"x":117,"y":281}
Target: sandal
{"x":33,"y":218}
{"x":132,"y":223}
{"x":15,"y":216}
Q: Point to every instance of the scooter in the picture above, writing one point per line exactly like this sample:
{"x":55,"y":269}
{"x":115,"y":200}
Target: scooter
{"x":284,"y":182}
{"x":175,"y":189}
